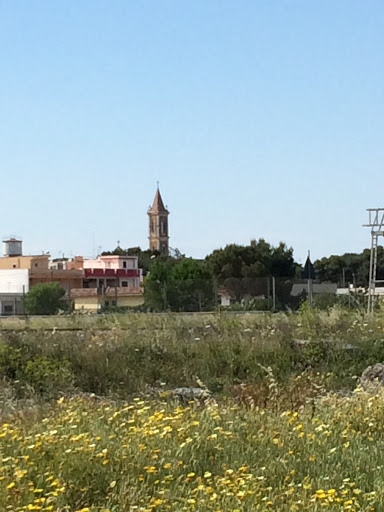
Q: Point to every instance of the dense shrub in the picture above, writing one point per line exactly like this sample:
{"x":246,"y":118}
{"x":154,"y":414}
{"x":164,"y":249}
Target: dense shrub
{"x":45,"y":299}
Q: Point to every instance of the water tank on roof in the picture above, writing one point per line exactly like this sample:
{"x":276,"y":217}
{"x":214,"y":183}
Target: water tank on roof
{"x":12,"y":247}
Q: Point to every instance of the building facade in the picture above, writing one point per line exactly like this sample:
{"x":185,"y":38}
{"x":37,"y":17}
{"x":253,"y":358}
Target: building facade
{"x":32,"y":263}
{"x":14,"y":284}
{"x":109,"y":281}
{"x":158,"y":225}
{"x":90,"y":284}
{"x":108,"y":271}
{"x":94,"y":299}
{"x":68,"y":279}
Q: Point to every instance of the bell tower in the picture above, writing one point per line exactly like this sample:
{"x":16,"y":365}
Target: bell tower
{"x":158,"y":225}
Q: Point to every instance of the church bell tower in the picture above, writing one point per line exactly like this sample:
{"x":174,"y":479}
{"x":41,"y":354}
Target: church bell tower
{"x":158,"y":225}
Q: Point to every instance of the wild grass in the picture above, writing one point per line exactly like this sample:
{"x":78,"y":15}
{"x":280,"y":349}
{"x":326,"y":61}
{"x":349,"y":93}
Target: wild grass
{"x":89,"y":455}
{"x":88,"y":423}
{"x":121,"y":355}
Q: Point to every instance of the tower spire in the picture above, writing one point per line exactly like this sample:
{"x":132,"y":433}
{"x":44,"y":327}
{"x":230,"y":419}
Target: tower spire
{"x":158,"y":224}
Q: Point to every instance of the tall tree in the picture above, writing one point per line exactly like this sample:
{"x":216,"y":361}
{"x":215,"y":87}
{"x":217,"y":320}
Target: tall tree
{"x":45,"y":299}
{"x":180,"y":285}
{"x":259,"y":259}
{"x":239,"y":268}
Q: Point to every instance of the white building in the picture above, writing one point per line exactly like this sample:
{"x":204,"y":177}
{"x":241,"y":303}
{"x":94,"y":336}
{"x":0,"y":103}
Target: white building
{"x":14,"y":284}
{"x":111,"y":271}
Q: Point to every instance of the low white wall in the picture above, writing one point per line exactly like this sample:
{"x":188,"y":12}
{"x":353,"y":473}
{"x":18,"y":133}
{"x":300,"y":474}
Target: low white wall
{"x":14,"y":280}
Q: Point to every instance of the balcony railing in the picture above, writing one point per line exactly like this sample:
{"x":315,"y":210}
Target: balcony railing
{"x":112,"y":272}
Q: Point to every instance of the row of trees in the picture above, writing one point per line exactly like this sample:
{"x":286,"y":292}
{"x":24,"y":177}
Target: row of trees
{"x":349,"y":268}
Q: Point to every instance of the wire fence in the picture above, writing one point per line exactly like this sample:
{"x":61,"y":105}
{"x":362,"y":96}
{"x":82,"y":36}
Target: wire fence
{"x":260,"y":293}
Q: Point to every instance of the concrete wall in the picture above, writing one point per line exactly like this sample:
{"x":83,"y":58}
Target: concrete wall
{"x":57,"y":276}
{"x":76,"y":263}
{"x":131,"y":301}
{"x":114,"y":262}
{"x":91,"y":304}
{"x":225,"y":300}
{"x":86,"y":303}
{"x":11,"y":304}
{"x":29,"y":262}
{"x":105,"y":282}
{"x":14,"y":281}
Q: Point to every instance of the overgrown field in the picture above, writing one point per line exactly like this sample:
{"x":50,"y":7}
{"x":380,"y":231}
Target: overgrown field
{"x":89,"y":421}
{"x":122,"y":355}
{"x":84,"y":455}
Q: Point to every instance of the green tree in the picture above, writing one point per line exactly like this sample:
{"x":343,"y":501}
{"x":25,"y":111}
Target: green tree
{"x":180,"y":285}
{"x":245,"y":270}
{"x":45,"y":299}
{"x":260,"y":259}
{"x":194,"y":283}
{"x":349,"y":267}
{"x":157,"y":283}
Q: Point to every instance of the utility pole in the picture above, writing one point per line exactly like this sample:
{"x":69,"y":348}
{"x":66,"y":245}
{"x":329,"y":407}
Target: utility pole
{"x":269,"y":292}
{"x":165,"y":295}
{"x":70,"y":298}
{"x":376,"y":223}
{"x":309,"y":281}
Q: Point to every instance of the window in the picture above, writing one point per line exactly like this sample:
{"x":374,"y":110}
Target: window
{"x":36,"y":265}
{"x":14,"y":266}
{"x":106,"y":303}
{"x":8,"y":310}
{"x":113,"y":303}
{"x":124,"y":264}
{"x":124,"y":284}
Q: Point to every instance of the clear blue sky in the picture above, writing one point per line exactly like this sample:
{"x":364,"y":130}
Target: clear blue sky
{"x":259,"y":118}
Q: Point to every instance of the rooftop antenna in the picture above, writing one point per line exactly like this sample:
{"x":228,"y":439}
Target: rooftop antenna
{"x":376,"y":223}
